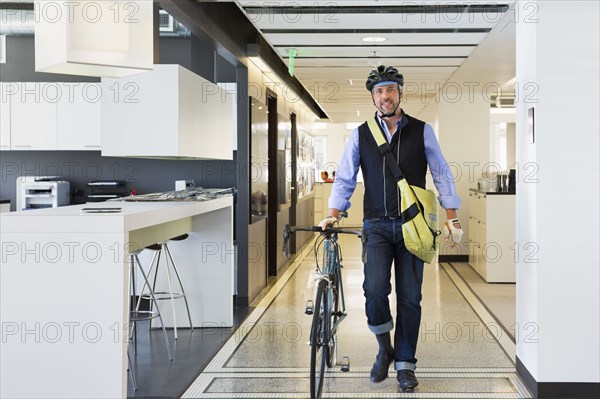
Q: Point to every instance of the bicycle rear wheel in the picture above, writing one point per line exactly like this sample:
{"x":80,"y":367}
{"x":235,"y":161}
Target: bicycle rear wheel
{"x":319,"y":338}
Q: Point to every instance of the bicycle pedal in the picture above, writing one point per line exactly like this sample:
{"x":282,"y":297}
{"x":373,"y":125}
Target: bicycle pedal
{"x":310,"y":307}
{"x":345,"y":364}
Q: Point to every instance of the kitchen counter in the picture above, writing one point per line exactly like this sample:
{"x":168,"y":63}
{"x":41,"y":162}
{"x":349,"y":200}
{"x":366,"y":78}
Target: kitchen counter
{"x":65,"y":289}
{"x":4,"y":201}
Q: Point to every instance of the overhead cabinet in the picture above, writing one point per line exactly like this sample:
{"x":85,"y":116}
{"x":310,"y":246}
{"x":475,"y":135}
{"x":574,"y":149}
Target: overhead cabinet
{"x":79,"y":117}
{"x":169,"y":112}
{"x":4,"y":118}
{"x":50,"y":116}
{"x":33,"y":116}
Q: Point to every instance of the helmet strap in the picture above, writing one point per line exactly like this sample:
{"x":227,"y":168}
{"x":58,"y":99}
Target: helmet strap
{"x":389,"y":115}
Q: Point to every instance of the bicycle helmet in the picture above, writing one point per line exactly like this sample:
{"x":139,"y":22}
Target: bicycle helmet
{"x":384,"y":74}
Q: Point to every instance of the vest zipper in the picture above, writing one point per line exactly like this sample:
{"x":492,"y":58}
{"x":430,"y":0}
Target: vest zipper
{"x":384,"y":196}
{"x":398,"y":160}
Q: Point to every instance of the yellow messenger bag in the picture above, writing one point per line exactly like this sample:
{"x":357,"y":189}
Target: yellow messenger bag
{"x":418,"y":206}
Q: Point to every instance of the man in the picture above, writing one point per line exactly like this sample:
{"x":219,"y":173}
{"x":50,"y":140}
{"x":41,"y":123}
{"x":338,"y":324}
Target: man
{"x":325,"y":177}
{"x":414,"y":146}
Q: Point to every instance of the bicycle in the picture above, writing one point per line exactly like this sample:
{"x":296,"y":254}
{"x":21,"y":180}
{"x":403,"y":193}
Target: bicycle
{"x":325,"y":310}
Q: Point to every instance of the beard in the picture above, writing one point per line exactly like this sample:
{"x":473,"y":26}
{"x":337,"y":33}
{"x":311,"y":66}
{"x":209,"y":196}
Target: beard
{"x":387,"y":107}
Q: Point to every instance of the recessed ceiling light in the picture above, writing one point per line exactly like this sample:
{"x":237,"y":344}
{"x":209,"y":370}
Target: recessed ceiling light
{"x":374,"y":39}
{"x":350,"y":81}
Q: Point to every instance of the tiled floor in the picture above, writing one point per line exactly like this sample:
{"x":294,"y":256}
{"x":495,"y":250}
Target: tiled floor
{"x":462,"y":352}
{"x":499,"y":298}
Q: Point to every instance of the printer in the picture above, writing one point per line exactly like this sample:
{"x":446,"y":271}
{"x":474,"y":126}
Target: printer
{"x":34,"y":192}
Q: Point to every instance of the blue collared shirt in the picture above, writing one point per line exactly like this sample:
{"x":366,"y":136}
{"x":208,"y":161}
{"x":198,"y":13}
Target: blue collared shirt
{"x":345,"y":177}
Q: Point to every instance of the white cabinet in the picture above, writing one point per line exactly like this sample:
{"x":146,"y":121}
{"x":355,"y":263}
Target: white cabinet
{"x":231,"y":90}
{"x":169,"y":112}
{"x":492,"y":231}
{"x":318,"y":205}
{"x":33,"y":116}
{"x":50,"y":116}
{"x":4,"y":118}
{"x":79,"y":117}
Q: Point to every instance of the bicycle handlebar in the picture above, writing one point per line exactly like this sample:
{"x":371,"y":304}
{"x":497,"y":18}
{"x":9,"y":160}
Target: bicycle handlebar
{"x":288,"y":230}
{"x":318,"y":229}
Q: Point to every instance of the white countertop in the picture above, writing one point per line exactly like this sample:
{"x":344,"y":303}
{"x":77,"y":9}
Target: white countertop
{"x":133,"y":216}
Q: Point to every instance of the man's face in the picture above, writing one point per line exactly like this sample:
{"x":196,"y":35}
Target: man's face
{"x":386,"y":97}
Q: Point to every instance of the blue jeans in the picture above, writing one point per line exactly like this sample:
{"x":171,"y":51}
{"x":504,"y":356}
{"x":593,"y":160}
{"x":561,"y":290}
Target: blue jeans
{"x":385,"y":244}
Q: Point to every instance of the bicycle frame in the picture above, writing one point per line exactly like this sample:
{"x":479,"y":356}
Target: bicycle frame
{"x":332,"y":271}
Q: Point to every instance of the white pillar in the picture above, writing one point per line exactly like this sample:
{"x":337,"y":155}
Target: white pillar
{"x":558,"y":279}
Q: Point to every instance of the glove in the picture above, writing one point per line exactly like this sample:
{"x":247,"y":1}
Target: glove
{"x":329,"y":221}
{"x":451,"y":230}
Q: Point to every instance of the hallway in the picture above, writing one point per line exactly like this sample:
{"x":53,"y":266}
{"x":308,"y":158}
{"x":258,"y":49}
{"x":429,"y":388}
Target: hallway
{"x":268,"y":355}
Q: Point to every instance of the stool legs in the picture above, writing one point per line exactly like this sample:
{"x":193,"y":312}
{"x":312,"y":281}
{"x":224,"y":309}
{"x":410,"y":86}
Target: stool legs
{"x":132,"y":373}
{"x":169,"y":264}
{"x":187,"y":307}
{"x":151,"y":314}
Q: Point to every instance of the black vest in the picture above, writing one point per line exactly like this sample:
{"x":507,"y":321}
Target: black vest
{"x":408,"y":146}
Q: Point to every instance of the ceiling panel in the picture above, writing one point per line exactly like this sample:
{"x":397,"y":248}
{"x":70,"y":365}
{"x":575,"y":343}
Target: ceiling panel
{"x":346,"y":3}
{"x":380,"y":51}
{"x":357,"y":62}
{"x":292,"y":19}
{"x":427,"y":40}
{"x":332,"y":39}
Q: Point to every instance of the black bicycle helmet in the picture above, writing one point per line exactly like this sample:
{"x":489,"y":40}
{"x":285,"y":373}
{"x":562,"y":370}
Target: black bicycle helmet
{"x":384,"y":74}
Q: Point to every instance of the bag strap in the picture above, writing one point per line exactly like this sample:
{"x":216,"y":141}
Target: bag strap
{"x":385,"y":149}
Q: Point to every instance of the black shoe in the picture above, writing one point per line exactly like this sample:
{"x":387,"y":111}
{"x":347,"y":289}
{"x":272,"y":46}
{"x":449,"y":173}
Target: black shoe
{"x":407,"y":380}
{"x":379,"y":372}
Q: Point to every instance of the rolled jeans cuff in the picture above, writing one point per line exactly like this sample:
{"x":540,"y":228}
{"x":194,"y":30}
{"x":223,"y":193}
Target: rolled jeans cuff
{"x":405,"y":366}
{"x":382,"y":328}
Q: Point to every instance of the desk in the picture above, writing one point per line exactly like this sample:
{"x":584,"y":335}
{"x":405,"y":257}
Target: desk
{"x":64,"y":287}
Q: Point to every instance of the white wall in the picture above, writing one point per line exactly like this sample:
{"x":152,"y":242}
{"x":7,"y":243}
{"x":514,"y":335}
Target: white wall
{"x":463,"y":133}
{"x":559,"y":294}
{"x":336,"y":134}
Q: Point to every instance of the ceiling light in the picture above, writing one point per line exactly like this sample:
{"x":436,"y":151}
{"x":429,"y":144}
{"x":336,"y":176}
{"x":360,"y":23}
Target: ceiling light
{"x":94,"y":38}
{"x":350,"y":81}
{"x":374,"y":39}
{"x":357,"y":113}
{"x":260,"y":64}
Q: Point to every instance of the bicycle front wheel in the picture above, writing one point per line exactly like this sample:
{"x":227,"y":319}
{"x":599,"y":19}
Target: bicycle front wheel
{"x":319,"y":340}
{"x":334,"y":306}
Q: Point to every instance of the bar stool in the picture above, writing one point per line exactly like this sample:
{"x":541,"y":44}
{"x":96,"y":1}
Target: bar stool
{"x":162,"y":248}
{"x":131,"y":372}
{"x":137,"y":314}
